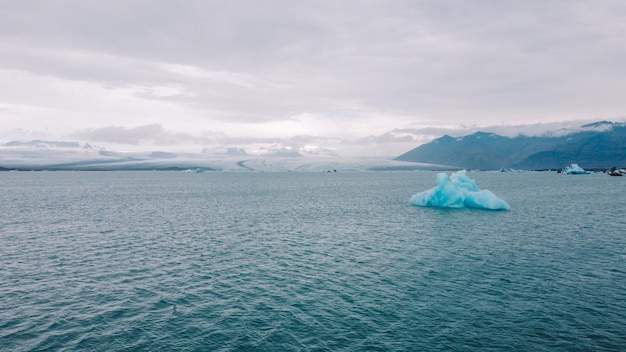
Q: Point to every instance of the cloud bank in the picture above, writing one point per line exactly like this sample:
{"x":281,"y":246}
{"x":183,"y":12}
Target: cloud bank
{"x":371,"y":72}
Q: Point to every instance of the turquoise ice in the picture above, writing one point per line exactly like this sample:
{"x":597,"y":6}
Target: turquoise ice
{"x":458,"y":191}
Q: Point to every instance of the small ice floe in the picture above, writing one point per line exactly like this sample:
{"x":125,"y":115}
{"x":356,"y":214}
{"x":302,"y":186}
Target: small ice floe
{"x":198,"y":170}
{"x":574,"y":169}
{"x":458,"y":191}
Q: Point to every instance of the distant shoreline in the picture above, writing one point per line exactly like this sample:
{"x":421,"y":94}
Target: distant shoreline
{"x":209,"y":169}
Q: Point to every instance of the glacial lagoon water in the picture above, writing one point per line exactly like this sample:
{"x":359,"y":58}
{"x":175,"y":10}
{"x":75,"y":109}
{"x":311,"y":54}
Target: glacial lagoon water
{"x":145,"y":261}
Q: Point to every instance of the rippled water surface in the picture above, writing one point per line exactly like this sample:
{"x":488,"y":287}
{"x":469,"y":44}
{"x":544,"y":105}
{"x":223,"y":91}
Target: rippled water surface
{"x":144,"y":261}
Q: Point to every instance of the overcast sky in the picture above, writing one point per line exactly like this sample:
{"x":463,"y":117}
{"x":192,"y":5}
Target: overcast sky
{"x":373,"y":77}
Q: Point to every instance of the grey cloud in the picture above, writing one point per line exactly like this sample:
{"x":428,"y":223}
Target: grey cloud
{"x":536,"y":129}
{"x":299,"y":142}
{"x":451,"y":61}
{"x":387,"y":137}
{"x":156,"y":134}
{"x":150,"y":134}
{"x":122,"y":135}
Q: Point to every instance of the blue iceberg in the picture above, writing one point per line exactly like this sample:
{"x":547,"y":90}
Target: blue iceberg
{"x":458,"y":191}
{"x":574,"y":169}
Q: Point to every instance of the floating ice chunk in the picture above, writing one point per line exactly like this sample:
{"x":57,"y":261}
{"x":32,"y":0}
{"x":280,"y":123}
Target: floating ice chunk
{"x":458,"y":191}
{"x":574,"y":169}
{"x":198,"y":170}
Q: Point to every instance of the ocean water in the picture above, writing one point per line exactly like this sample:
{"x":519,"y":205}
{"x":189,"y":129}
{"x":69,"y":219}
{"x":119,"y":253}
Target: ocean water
{"x":145,"y":261}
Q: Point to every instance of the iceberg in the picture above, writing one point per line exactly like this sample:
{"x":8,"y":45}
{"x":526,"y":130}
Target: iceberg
{"x":574,"y":169}
{"x":198,"y":170}
{"x":458,"y":191}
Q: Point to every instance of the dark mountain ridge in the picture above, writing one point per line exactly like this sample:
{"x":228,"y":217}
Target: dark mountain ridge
{"x":598,"y":145}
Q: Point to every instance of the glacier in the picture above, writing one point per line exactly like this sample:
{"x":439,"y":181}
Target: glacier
{"x":458,"y":191}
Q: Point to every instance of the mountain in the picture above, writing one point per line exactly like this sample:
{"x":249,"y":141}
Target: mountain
{"x":598,"y":145}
